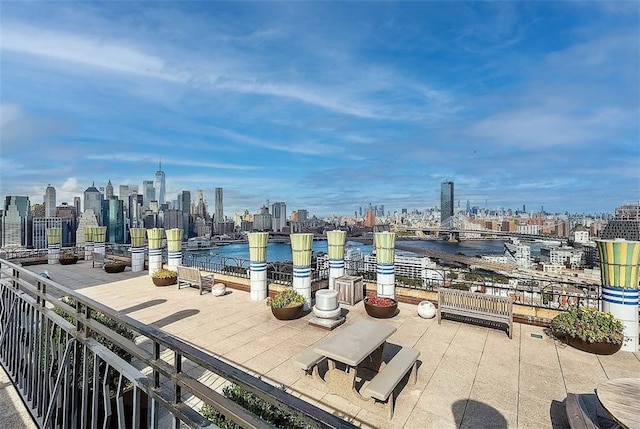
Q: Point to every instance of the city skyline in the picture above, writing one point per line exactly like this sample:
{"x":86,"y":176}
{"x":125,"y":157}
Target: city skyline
{"x":326,"y":106}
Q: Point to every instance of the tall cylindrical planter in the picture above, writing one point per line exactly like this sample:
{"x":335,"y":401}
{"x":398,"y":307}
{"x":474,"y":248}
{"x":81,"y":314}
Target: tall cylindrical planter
{"x":154,"y":239}
{"x":99,"y":237}
{"x":54,"y":236}
{"x":138,"y":236}
{"x":619,"y":267}
{"x":385,"y":243}
{"x":336,"y":240}
{"x":301,"y":251}
{"x":88,"y":243}
{"x":258,"y":264}
{"x":174,"y":248}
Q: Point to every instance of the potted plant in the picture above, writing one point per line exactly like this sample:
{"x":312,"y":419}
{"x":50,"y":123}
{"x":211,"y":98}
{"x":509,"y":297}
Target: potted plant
{"x":380,"y":307}
{"x":589,"y":330}
{"x":114,"y":267}
{"x":68,"y":258}
{"x":164,"y":277}
{"x":286,"y":305}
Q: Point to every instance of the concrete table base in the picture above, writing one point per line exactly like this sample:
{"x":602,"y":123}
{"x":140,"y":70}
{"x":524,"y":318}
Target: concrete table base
{"x":328,"y":324}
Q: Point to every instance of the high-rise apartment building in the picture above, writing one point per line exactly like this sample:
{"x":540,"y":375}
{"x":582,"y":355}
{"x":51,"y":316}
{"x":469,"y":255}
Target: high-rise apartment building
{"x":93,"y":201}
{"x":14,"y":221}
{"x":160,"y":185}
{"x":279,"y":214}
{"x":39,"y":230}
{"x":113,"y":215}
{"x":219,"y":211}
{"x":446,"y":201}
{"x":123,"y":192}
{"x":50,"y":201}
{"x":69,"y":217}
{"x":148,"y":193}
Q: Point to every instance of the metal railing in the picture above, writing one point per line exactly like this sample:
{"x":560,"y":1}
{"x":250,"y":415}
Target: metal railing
{"x":77,"y":363}
{"x":277,"y":272}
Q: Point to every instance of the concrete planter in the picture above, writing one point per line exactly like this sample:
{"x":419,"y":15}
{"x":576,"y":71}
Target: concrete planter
{"x":166,"y":281}
{"x":381,"y":312}
{"x":287,"y":313}
{"x":595,"y":348}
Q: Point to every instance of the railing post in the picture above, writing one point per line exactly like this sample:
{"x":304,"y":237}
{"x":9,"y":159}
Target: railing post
{"x":177,"y":397}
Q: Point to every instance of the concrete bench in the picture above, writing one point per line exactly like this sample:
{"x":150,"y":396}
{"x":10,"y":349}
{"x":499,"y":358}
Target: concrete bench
{"x":99,"y":258}
{"x":308,"y":361}
{"x":476,"y":305}
{"x":382,"y":385}
{"x":585,"y":412}
{"x":194,"y":278}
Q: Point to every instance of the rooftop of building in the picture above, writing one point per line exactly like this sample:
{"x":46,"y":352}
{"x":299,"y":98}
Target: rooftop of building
{"x":470,"y":376}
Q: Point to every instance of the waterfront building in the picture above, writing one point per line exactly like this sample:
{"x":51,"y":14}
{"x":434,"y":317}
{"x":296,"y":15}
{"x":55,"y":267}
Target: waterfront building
{"x":625,"y":224}
{"x":50,"y":201}
{"x":160,"y":185}
{"x":219,"y":207}
{"x":40,"y":226}
{"x":563,"y":255}
{"x":262,"y":221}
{"x":517,"y":253}
{"x":279,"y":213}
{"x":93,"y":202}
{"x":446,"y":201}
{"x":580,"y":234}
{"x":148,"y":193}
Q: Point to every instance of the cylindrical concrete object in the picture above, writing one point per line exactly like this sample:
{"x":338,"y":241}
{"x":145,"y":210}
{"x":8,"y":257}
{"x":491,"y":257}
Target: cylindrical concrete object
{"x":336,"y":240}
{"x":301,"y":252}
{"x":258,"y":264}
{"x":138,"y":236}
{"x":327,"y":299}
{"x":620,"y":267}
{"x":154,"y":238}
{"x":385,"y":243}
{"x":88,"y":243}
{"x":54,"y":236}
{"x":174,"y":248}
{"x":99,"y":236}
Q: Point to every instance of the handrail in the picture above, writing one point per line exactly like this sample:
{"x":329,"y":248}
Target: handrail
{"x":38,"y":303}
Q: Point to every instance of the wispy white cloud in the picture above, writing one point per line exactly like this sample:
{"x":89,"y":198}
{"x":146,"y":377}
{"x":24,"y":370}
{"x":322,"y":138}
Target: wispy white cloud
{"x":151,"y":159}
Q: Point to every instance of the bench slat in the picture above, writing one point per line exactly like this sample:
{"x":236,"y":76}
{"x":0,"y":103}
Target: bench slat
{"x":385,"y":381}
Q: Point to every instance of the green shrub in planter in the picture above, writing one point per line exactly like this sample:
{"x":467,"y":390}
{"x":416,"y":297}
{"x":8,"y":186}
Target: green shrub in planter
{"x":589,"y":325}
{"x":286,"y":299}
{"x":261,"y":408}
{"x":164,"y":274}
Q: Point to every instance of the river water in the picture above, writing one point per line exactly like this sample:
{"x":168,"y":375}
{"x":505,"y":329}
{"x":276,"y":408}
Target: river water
{"x":282,"y":251}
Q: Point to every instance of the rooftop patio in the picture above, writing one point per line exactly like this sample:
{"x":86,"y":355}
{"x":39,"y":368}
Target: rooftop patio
{"x":469,"y":377}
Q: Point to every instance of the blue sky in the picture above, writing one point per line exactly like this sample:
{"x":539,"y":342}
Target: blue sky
{"x":327,"y":106}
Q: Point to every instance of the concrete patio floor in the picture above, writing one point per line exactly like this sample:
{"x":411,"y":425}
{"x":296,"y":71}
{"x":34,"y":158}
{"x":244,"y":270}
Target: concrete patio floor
{"x":469,"y":377}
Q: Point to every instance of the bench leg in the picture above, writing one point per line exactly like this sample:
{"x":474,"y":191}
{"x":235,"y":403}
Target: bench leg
{"x":439,"y":316}
{"x":510,"y":331}
{"x":390,"y":404}
{"x":414,"y":372}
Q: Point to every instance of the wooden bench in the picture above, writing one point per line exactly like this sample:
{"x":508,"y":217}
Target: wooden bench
{"x":308,"y":361}
{"x":194,"y":278}
{"x":99,"y":258}
{"x":382,"y":385}
{"x":476,"y":305}
{"x":583,"y":412}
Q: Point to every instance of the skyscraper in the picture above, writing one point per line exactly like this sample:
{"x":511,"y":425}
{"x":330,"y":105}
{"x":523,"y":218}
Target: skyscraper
{"x":160,"y":185}
{"x":279,"y":213}
{"x":148,"y":193}
{"x":185,"y":204}
{"x":109,"y":191}
{"x":219,"y":211}
{"x":76,"y":203}
{"x":93,"y":201}
{"x":446,"y":201}
{"x":50,"y":201}
{"x":14,"y":221}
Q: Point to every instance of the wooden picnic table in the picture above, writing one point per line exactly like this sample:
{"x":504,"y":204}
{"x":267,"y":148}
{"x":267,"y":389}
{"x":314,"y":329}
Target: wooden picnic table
{"x":621,"y":398}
